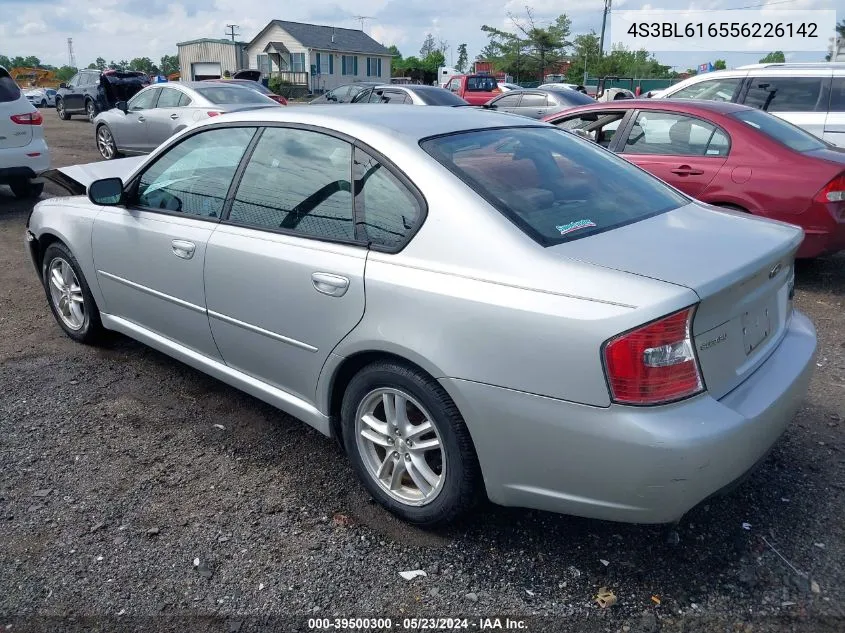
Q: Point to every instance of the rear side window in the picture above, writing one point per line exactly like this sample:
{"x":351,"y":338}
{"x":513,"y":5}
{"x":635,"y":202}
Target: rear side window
{"x":837,"y":95}
{"x":169,"y":98}
{"x":533,"y":100}
{"x":9,"y":90}
{"x":389,"y":210}
{"x":670,"y":134}
{"x":551,"y":184}
{"x":297,"y":180}
{"x":710,"y":90}
{"x":782,"y":131}
{"x":788,"y":94}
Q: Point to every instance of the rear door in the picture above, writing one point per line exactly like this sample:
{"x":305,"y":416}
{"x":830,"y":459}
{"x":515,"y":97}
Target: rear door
{"x":12,"y":102}
{"x":802,"y":100}
{"x":533,"y":105}
{"x":834,"y":127}
{"x":165,"y":118}
{"x":685,"y":151}
{"x":284,"y":273}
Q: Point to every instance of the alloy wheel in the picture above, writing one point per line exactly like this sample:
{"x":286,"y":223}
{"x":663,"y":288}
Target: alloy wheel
{"x":400,"y":446}
{"x":60,"y":106}
{"x":66,"y":294}
{"x":105,"y":143}
{"x":89,"y":110}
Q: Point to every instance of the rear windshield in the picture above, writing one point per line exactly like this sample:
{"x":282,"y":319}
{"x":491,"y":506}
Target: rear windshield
{"x":232,"y":94}
{"x":551,"y":184}
{"x":481,"y":84}
{"x":440,"y":97}
{"x":254,"y":85}
{"x":9,"y":90}
{"x":782,"y":131}
{"x":572,"y":97}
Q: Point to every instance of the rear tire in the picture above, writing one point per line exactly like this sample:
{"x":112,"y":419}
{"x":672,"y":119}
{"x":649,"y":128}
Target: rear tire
{"x":60,"y":108}
{"x":69,"y":296}
{"x":423,"y":467}
{"x":25,"y":188}
{"x":90,"y":110}
{"x":106,"y":144}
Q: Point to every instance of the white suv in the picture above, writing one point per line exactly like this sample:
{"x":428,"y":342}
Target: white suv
{"x":811,"y":96}
{"x":23,"y":151}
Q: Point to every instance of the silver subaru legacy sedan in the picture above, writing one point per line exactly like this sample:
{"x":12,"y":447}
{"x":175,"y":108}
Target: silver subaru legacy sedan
{"x":472,"y":303}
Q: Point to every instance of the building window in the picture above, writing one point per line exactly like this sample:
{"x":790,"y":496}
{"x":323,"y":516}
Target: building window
{"x":319,"y":65}
{"x":349,"y":64}
{"x":297,"y":62}
{"x":263,"y":63}
{"x":331,"y":64}
{"x":374,"y":67}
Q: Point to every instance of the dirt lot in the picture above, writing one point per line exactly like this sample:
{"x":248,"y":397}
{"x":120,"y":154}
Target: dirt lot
{"x":120,"y":467}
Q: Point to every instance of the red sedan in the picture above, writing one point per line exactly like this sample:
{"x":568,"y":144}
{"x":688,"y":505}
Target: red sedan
{"x":728,"y":155}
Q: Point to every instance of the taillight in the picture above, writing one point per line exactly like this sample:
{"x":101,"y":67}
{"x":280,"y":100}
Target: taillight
{"x":279,"y":99}
{"x":214,"y":113}
{"x":655,"y":363}
{"x":30,"y":118}
{"x":834,"y":191}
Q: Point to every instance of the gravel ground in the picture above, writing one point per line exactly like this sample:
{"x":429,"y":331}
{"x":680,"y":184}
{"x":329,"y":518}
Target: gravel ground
{"x":137,"y":493}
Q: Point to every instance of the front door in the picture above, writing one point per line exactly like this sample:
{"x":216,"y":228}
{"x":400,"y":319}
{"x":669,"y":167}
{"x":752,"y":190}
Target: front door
{"x":132,"y":134}
{"x":284,"y":273}
{"x":685,"y":151}
{"x":73,"y":98}
{"x":150,"y":255}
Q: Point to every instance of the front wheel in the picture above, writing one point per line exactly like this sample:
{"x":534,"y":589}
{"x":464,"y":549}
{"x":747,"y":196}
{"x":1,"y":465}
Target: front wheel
{"x":69,"y":296}
{"x":106,"y":143}
{"x":60,"y":108}
{"x":43,"y":103}
{"x":408,"y":444}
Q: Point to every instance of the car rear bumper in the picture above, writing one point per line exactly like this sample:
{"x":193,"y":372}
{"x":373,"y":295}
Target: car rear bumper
{"x":22,"y":163}
{"x":633,"y":464}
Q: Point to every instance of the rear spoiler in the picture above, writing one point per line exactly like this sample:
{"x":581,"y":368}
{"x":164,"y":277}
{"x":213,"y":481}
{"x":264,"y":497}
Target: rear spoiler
{"x":75,"y":179}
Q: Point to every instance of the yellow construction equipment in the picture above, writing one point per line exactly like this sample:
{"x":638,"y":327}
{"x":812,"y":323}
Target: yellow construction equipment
{"x":34,"y":77}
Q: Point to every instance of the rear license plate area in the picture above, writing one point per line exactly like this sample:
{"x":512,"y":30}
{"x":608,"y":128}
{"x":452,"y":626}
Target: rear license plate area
{"x":756,"y":328}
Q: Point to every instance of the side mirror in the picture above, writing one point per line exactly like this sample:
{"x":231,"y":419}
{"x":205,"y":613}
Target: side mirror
{"x":62,"y":85}
{"x":107,"y":192}
{"x":121,"y":105}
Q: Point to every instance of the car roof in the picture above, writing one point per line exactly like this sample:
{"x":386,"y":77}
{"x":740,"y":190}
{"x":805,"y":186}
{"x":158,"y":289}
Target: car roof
{"x":404,"y":123}
{"x":679,"y":105}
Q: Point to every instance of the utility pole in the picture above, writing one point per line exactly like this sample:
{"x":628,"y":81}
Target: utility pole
{"x":361,"y":18}
{"x":603,"y":23}
{"x":231,"y":33}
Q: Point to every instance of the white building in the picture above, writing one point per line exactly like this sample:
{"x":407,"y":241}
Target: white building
{"x":208,"y":58}
{"x":318,"y":57}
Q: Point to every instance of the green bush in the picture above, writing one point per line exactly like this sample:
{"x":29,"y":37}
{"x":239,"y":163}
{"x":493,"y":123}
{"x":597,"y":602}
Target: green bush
{"x":282,"y":87}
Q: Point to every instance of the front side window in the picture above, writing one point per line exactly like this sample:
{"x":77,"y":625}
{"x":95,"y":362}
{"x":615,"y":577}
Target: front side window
{"x":395,"y":97}
{"x":297,"y":180}
{"x":143,"y":100}
{"x":508,"y":101}
{"x":709,"y":90}
{"x":788,"y":94}
{"x":194,"y":176}
{"x":389,"y":210}
{"x":670,"y":134}
{"x":782,"y":131}
{"x":74,"y":81}
{"x":553,"y":186}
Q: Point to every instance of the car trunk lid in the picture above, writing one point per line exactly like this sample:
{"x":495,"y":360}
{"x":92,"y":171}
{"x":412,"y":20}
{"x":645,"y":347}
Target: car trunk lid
{"x":741,"y":268}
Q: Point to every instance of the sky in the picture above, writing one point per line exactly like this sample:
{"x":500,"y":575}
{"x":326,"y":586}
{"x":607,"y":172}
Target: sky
{"x":124,"y":29}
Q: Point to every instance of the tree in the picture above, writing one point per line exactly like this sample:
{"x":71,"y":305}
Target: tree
{"x":144,"y":64}
{"x":528,"y":45}
{"x":5,"y":62}
{"x":461,"y":65}
{"x":835,"y":41}
{"x":428,"y":47}
{"x":169,"y":64}
{"x":100,"y":64}
{"x":719,"y":64}
{"x":774,"y":58}
{"x":65,"y":72}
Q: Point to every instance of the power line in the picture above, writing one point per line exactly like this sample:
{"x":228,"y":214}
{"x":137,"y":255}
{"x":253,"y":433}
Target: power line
{"x":231,"y":32}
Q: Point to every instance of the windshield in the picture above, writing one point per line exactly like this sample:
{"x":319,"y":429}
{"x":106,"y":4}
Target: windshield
{"x":440,"y":97}
{"x":782,"y":131}
{"x":551,"y":184}
{"x":232,"y":94}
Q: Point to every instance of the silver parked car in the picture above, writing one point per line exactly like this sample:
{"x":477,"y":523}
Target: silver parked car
{"x":159,"y":111}
{"x":471,"y":302}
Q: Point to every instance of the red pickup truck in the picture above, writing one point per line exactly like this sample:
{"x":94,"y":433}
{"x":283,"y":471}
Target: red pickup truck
{"x":474,"y":89}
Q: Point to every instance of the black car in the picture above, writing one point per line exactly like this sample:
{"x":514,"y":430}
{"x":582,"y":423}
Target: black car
{"x":344,"y":94}
{"x":538,"y":103}
{"x":410,"y":94}
{"x":92,"y":91}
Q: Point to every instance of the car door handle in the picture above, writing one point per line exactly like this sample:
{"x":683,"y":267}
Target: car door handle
{"x":141,"y":119}
{"x":174,"y":116}
{"x":331,"y":285}
{"x":686,"y":170}
{"x":183,"y":248}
